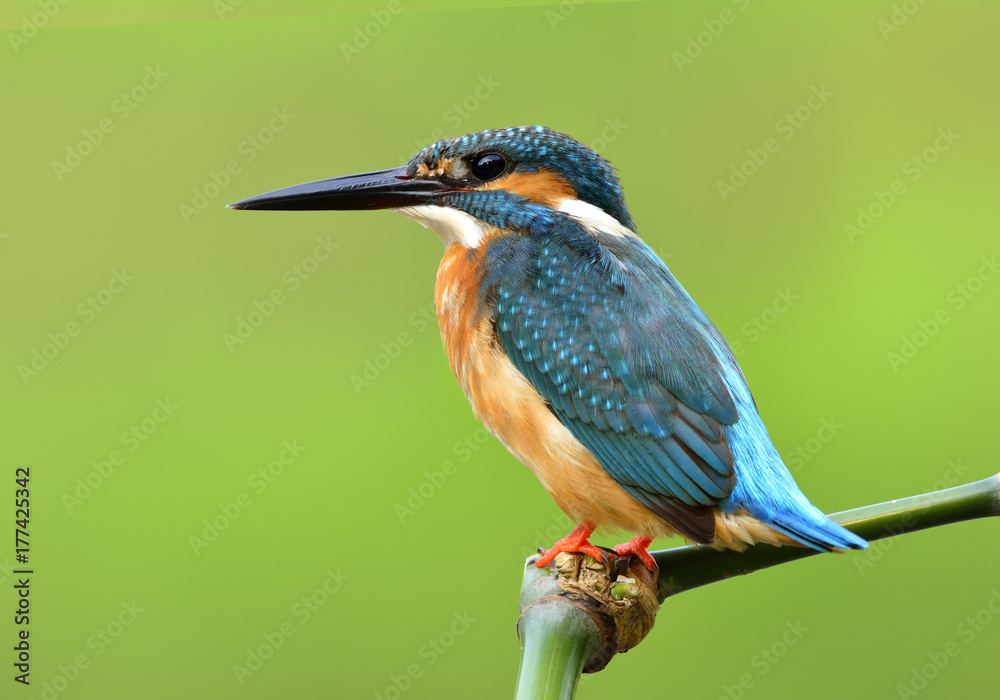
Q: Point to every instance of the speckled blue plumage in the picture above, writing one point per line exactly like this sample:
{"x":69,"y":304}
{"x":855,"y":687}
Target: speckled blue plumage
{"x":622,"y":354}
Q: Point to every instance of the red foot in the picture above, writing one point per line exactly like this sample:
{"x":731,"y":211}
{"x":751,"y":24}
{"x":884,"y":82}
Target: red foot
{"x":637,"y":546}
{"x":575,"y":541}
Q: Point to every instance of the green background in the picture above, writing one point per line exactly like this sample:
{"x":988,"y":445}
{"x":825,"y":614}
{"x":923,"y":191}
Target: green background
{"x":904,"y":428}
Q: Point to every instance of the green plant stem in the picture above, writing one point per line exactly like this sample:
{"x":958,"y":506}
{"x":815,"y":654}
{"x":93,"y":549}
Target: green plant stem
{"x":557,"y":639}
{"x":684,"y":568}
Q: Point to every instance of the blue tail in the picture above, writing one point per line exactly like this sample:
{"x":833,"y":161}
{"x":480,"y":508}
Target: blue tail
{"x":766,"y":490}
{"x":764,"y":487}
{"x":814,"y":529}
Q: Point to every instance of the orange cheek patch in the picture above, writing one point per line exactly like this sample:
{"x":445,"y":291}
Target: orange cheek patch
{"x":540,"y":186}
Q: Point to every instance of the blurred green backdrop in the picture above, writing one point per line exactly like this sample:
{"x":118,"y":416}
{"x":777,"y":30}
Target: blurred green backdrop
{"x":244,"y":438}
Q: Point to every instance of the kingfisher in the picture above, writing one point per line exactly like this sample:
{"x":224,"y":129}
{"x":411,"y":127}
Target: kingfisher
{"x":579,"y":350}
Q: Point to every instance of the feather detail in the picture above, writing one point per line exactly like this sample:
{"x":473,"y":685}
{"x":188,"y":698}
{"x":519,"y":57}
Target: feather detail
{"x":515,"y":412}
{"x":740,"y":530}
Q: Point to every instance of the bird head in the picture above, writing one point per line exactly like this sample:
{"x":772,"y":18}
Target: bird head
{"x":517,"y":178}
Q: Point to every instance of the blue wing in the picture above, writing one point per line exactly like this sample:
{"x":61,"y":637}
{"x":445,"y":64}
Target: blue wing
{"x":623,"y":357}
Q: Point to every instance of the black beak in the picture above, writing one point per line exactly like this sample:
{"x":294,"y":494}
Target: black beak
{"x":383,"y":189}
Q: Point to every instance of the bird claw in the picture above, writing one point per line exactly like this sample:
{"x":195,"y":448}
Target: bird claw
{"x":637,"y":547}
{"x":616,"y":561}
{"x":616,"y":564}
{"x":575,"y":541}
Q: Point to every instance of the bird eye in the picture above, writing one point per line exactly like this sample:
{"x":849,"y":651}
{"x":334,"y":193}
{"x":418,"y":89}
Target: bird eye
{"x":489,"y":166}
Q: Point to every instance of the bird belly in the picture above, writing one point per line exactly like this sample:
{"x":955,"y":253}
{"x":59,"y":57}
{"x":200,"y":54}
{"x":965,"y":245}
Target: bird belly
{"x":517,"y":415}
{"x":513,"y":411}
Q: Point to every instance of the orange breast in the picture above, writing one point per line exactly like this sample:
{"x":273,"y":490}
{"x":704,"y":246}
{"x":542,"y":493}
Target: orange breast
{"x":512,"y":410}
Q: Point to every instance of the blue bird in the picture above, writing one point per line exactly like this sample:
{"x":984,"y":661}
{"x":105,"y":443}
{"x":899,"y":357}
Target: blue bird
{"x":580,"y":351}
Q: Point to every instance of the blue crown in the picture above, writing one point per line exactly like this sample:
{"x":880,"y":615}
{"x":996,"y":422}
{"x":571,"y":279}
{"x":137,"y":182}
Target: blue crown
{"x":534,"y":147}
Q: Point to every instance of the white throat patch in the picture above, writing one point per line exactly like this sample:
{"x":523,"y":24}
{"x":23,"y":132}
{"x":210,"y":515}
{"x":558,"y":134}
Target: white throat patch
{"x":450,"y":225}
{"x":592,"y":218}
